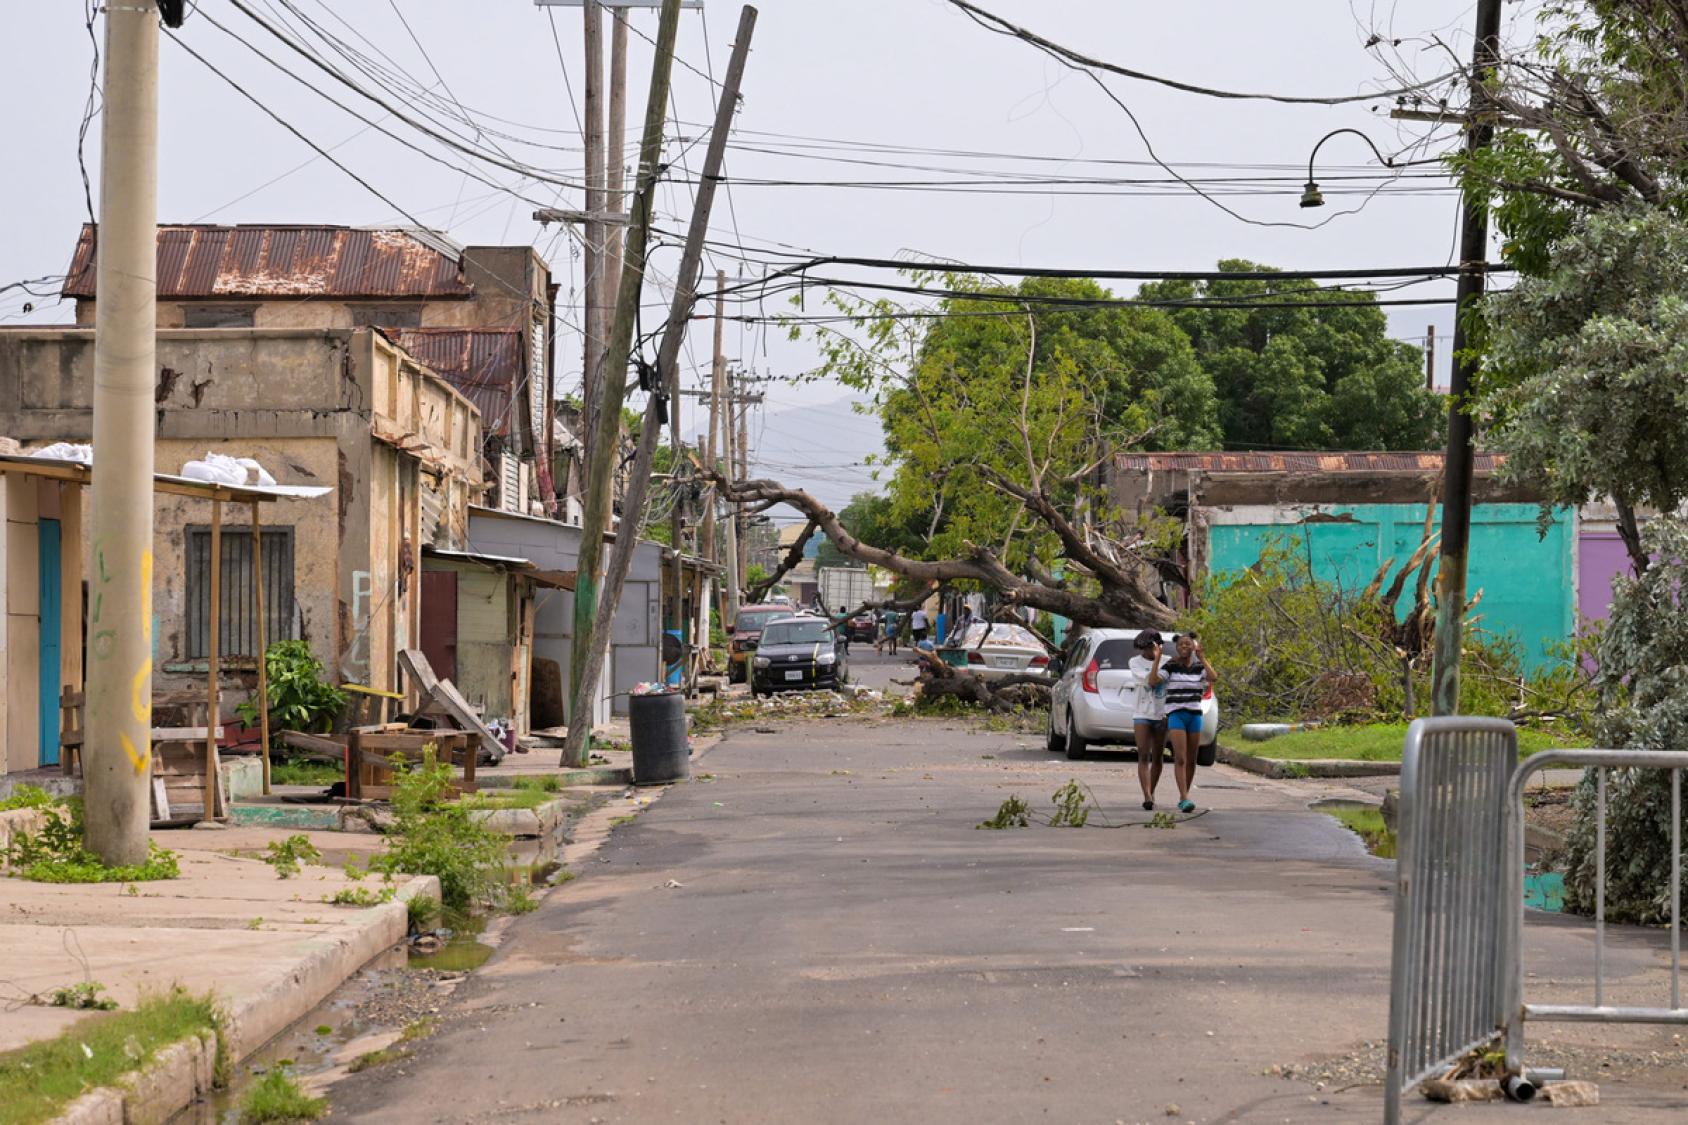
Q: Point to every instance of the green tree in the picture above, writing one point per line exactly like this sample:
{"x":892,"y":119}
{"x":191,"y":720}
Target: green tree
{"x":1590,"y":359}
{"x":1291,"y":377}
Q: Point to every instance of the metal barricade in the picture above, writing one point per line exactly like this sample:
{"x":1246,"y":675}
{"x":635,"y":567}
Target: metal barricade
{"x":1516,"y":1010}
{"x":1446,"y":982}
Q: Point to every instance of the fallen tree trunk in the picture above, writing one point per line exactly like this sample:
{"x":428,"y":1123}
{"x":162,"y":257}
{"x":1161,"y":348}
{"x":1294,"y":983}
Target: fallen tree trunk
{"x":938,"y":680}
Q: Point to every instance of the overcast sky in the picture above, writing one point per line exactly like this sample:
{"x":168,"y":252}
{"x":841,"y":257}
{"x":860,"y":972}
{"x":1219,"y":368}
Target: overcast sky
{"x":831,"y":85}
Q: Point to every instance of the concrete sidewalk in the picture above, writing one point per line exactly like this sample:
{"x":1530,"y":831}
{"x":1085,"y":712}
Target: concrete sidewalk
{"x":270,"y":949}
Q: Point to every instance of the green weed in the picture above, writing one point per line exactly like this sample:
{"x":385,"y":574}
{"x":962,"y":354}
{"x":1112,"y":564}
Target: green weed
{"x":277,"y":1097}
{"x":56,"y":854}
{"x":286,"y":856}
{"x":83,"y":997}
{"x":28,"y":797}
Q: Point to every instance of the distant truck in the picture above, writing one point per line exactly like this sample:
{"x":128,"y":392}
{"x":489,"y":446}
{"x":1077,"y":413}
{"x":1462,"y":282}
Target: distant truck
{"x":843,"y":589}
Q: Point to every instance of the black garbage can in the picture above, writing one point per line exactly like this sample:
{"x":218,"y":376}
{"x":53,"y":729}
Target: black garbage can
{"x":660,"y":754}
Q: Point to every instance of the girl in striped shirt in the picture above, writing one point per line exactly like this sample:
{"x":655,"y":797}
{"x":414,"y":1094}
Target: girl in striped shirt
{"x":1187,"y":678}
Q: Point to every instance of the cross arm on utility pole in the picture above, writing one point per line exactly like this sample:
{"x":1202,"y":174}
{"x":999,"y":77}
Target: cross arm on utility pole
{"x":574,"y":215}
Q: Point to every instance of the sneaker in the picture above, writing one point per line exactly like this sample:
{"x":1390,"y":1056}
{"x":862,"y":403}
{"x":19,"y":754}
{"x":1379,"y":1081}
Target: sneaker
{"x":1186,"y":806}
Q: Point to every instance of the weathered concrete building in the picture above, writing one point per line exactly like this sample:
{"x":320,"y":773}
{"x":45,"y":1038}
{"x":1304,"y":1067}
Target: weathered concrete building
{"x":1350,"y":513}
{"x":343,"y":408}
{"x":479,"y":316}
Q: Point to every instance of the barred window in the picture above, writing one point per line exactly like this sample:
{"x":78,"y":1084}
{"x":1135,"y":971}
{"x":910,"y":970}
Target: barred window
{"x":237,"y":617}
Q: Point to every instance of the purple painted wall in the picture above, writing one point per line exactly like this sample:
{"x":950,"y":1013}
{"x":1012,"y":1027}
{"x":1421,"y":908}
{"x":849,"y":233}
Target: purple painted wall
{"x":1601,"y":558}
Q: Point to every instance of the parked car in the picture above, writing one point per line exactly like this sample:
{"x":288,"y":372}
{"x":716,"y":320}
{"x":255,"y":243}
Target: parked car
{"x":1006,"y":650}
{"x":744,"y":633}
{"x":1092,"y":701}
{"x":862,"y":627}
{"x":797,"y":653}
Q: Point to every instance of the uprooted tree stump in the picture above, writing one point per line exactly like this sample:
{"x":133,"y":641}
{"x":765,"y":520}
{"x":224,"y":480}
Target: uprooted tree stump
{"x":938,"y":680}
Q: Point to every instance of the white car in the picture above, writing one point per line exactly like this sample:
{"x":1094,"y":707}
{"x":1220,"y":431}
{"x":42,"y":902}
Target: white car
{"x":1092,"y":701}
{"x":1008,"y":650}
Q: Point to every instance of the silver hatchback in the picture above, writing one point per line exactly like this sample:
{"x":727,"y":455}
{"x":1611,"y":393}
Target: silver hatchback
{"x":1093,"y":700}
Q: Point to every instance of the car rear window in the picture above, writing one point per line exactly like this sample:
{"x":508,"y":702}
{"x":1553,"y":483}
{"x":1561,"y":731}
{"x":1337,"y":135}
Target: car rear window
{"x":1113,"y":655}
{"x":1001,"y":635}
{"x":753,"y":622}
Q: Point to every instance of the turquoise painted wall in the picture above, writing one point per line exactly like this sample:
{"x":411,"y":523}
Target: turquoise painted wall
{"x":1529,"y":593}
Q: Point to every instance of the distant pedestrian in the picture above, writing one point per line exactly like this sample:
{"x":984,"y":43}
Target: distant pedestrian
{"x":917,"y":625}
{"x":1148,"y":714}
{"x":1187,"y":677}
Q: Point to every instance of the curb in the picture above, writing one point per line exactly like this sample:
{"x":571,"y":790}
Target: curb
{"x":185,"y":1072}
{"x":1279,"y":769}
{"x":540,"y":821}
{"x":590,"y":775}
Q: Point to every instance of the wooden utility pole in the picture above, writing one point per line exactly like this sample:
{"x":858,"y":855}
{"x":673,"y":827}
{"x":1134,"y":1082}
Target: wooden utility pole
{"x":576,"y":746}
{"x":117,"y":764}
{"x":740,"y":529}
{"x":617,"y":155}
{"x":1461,"y":457}
{"x":592,"y":378}
{"x":603,"y":444}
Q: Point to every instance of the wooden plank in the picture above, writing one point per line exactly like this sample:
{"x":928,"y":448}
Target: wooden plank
{"x":184,"y":734}
{"x":160,"y":800}
{"x":445,"y":693}
{"x":322,"y":746}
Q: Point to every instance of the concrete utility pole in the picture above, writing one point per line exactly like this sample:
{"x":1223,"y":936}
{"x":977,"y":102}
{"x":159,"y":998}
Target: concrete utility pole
{"x":679,"y":317}
{"x":117,"y":767}
{"x":603,"y":444}
{"x":710,"y":546}
{"x":1430,"y":359}
{"x":743,"y":450}
{"x":1456,"y":489}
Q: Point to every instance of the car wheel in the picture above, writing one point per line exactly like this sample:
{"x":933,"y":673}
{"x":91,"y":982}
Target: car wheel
{"x":1055,"y":743}
{"x":1076,"y":745}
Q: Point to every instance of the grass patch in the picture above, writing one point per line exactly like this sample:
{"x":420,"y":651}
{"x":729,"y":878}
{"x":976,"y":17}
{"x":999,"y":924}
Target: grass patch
{"x":543,"y":784}
{"x":419,"y":1029}
{"x":28,"y":797}
{"x":1375,"y":742}
{"x":375,"y":1058}
{"x":38,"y":1081}
{"x":518,"y":797}
{"x":304,"y":771}
{"x":56,"y":854}
{"x":277,"y":1097}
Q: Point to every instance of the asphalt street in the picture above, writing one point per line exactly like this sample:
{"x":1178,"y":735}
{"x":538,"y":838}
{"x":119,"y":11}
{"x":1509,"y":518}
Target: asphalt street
{"x":816,"y":931}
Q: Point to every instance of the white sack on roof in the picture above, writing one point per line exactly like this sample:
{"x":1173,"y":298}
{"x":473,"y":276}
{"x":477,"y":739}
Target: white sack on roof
{"x":219,"y":468}
{"x":67,"y":451}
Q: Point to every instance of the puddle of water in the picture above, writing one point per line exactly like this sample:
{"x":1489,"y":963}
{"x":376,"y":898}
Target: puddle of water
{"x":463,"y":952}
{"x":1365,"y":821}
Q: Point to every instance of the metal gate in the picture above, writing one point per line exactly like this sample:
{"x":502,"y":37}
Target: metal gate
{"x":1516,"y":1009}
{"x":1446,"y":982}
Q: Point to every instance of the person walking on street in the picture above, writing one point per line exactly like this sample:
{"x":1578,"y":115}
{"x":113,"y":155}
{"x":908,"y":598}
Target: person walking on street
{"x":1187,"y":678}
{"x":1148,"y":714}
{"x":917,"y":624}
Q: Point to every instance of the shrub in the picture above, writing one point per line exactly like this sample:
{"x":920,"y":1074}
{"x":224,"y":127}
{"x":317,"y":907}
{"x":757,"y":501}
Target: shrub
{"x":287,"y":855}
{"x":277,"y":1097}
{"x":1642,"y":678}
{"x":433,"y":834}
{"x":28,"y":797}
{"x":300,"y":699}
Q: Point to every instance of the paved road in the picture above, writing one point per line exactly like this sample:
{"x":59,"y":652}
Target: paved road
{"x":820,"y":934}
{"x":874,"y":670}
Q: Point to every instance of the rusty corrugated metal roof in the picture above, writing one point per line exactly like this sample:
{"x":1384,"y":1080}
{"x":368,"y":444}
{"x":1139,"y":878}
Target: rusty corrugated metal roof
{"x":267,"y":261}
{"x":485,"y":364}
{"x":1294,"y":462}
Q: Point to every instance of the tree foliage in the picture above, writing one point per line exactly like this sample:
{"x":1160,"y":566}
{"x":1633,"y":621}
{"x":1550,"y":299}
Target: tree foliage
{"x":1290,"y":377}
{"x":1591,"y":369}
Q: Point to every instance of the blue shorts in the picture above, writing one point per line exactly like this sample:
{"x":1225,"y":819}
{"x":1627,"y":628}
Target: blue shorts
{"x":1142,"y":722}
{"x":1184,"y":720}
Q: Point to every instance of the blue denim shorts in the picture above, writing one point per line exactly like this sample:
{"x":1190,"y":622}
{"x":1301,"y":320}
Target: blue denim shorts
{"x":1184,"y":720}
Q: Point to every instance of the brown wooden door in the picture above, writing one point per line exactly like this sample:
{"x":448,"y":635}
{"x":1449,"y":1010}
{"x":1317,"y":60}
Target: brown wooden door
{"x":439,"y":622}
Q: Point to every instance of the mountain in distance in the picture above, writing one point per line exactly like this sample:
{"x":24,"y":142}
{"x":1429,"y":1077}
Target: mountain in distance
{"x":819,"y":448}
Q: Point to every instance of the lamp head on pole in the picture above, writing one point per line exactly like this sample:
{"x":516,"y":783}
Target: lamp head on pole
{"x":1311,"y":196}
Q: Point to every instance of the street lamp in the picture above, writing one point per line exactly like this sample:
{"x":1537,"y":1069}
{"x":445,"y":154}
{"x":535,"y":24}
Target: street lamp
{"x":1311,"y":196}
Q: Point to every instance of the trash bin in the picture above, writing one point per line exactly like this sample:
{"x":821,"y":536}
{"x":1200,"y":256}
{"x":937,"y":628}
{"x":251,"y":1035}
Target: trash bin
{"x":658,"y":723}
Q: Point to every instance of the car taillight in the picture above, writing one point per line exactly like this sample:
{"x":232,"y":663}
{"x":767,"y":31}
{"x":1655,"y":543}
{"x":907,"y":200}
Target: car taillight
{"x":1208,"y":692}
{"x":1040,"y":662}
{"x":1089,"y":680}
{"x":975,"y":657}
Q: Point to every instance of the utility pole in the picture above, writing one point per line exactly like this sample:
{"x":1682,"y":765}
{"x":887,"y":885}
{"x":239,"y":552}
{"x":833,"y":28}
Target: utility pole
{"x":617,"y":149}
{"x":117,"y":768}
{"x":587,"y":649}
{"x":710,"y":548}
{"x":1430,"y":359}
{"x":668,"y":355}
{"x":592,"y":391}
{"x":1456,"y":489}
{"x":743,"y":448}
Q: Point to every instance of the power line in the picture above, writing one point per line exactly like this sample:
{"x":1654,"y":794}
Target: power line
{"x":1000,"y":26}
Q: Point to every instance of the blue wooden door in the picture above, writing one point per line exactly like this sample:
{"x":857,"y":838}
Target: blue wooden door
{"x":52,"y":606}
